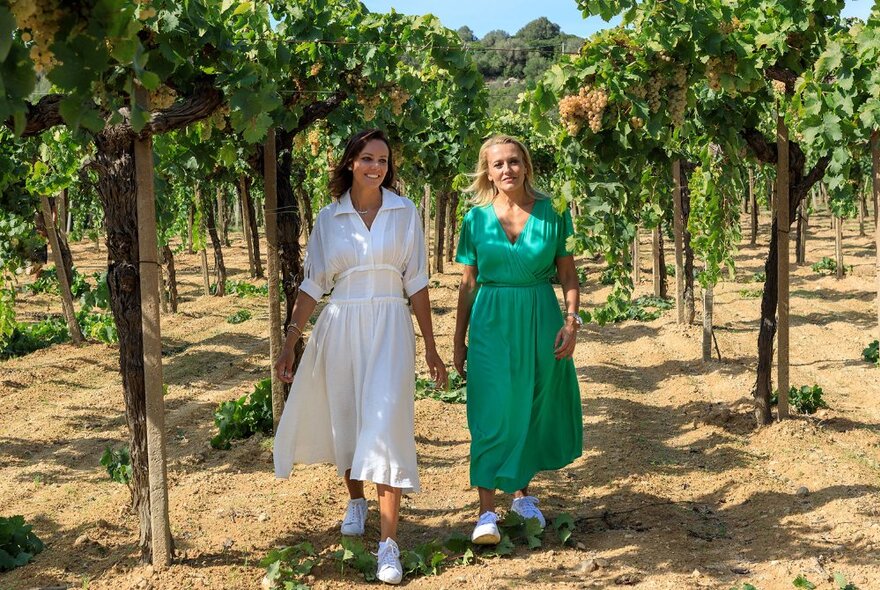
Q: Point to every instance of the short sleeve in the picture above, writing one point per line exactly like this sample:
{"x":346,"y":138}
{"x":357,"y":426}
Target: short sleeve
{"x":415,"y":272}
{"x":318,"y":279}
{"x":467,"y":252}
{"x":566,"y":229}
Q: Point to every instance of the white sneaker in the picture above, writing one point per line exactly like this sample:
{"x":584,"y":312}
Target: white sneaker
{"x":390,"y":571}
{"x":486,"y":532}
{"x":527,"y":508}
{"x":355,"y":517}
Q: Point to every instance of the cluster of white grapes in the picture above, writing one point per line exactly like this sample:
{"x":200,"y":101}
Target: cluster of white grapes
{"x":677,"y":95}
{"x":587,"y":106}
{"x":727,"y":27}
{"x":162,"y":97}
{"x":218,"y":117}
{"x":39,"y":22}
{"x":316,"y":68}
{"x":717,"y":66}
{"x":315,"y":141}
{"x":398,"y":99}
{"x":370,"y":103}
{"x":778,"y":86}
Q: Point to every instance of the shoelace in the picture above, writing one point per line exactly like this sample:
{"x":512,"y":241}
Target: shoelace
{"x":487,"y":517}
{"x":388,"y":554}
{"x":353,"y":514}
{"x":527,"y":503}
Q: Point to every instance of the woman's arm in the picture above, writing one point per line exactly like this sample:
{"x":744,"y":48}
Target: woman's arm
{"x":303,"y":308}
{"x":467,"y":291}
{"x":421,"y":306}
{"x":566,"y":338}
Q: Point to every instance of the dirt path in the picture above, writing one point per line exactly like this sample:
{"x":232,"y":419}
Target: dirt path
{"x":675,"y":489}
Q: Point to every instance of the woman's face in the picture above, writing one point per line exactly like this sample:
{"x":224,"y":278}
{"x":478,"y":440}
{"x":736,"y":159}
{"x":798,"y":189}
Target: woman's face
{"x":506,"y":169}
{"x":369,"y":167}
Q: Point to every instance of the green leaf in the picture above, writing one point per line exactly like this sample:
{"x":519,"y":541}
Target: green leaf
{"x":802,"y":582}
{"x":7,"y":32}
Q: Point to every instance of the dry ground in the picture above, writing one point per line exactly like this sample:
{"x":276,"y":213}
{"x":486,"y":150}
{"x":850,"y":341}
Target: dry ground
{"x":675,"y":487}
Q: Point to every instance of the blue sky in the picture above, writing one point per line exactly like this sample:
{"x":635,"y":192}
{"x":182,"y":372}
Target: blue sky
{"x":483,"y":16}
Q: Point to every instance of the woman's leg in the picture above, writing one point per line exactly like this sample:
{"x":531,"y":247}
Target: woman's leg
{"x":355,"y":487}
{"x":389,"y":510}
{"x":487,"y":500}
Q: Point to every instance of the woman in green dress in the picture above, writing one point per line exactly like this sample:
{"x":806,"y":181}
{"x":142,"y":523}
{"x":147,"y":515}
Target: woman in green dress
{"x":523,"y":407}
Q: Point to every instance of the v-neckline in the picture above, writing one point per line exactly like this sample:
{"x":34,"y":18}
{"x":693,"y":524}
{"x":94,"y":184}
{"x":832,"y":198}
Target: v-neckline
{"x":521,"y":232}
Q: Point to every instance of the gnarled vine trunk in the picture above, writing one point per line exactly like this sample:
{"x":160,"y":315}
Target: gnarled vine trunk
{"x":116,"y":186}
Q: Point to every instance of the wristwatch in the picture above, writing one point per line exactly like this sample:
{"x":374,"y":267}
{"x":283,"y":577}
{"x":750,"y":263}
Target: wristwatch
{"x":577,"y":318}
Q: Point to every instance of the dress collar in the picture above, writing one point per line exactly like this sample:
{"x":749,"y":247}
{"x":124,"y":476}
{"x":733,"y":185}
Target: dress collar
{"x":390,"y":200}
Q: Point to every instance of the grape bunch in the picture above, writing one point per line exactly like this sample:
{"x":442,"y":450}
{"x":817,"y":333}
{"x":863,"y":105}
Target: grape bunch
{"x":778,"y":87}
{"x":162,"y":97}
{"x":653,"y":92}
{"x":398,"y":99}
{"x":717,"y":66}
{"x":369,"y":103}
{"x":218,"y":117}
{"x":316,"y":68}
{"x":587,"y":106}
{"x":315,"y":141}
{"x":677,"y":96}
{"x":39,"y":22}
{"x":727,"y":27}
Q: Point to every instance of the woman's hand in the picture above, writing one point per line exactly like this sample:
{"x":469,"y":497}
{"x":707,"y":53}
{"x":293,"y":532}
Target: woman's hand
{"x":566,"y":339}
{"x":436,"y":368}
{"x":459,"y":356}
{"x":284,"y":364}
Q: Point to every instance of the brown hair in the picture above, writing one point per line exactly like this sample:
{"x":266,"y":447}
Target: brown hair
{"x":341,"y":177}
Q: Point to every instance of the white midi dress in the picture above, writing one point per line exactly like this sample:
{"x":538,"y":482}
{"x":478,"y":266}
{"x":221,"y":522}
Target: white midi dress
{"x":352,"y":398}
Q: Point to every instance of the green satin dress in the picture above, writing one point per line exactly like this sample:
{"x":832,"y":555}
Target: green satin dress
{"x":523,"y":405}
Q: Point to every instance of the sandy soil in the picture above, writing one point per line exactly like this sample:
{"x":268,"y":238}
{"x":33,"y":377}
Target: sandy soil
{"x":676,"y":488}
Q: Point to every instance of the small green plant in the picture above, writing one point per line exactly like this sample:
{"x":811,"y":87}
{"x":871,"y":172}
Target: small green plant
{"x":27,"y":338}
{"x":424,"y":559}
{"x":99,"y":296}
{"x":751,"y":293}
{"x":18,"y":544}
{"x":828,"y":266}
{"x":285,"y":567}
{"x":455,"y":393}
{"x":872,"y":353}
{"x":117,"y":464}
{"x":245,"y":289}
{"x":98,"y":326}
{"x":355,"y":555}
{"x":245,"y":416}
{"x":805,"y":400}
{"x":802,"y":582}
{"x":759,"y":277}
{"x":842,"y":583}
{"x":564,"y":527}
{"x":744,"y":587}
{"x":621,"y":309}
{"x":582,"y":275}
{"x":517,"y":528}
{"x":242,"y":315}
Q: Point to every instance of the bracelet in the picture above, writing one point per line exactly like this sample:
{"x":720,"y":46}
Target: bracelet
{"x":292,"y":326}
{"x":577,"y":318}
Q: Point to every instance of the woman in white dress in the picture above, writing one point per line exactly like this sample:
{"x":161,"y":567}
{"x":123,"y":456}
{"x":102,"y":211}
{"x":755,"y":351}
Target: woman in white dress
{"x":352,"y":398}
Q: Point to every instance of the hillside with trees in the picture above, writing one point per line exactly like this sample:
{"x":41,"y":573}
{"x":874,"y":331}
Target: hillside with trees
{"x":510,"y":62}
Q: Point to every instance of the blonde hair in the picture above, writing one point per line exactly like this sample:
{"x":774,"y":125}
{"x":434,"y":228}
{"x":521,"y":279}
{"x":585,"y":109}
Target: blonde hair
{"x":482,"y":189}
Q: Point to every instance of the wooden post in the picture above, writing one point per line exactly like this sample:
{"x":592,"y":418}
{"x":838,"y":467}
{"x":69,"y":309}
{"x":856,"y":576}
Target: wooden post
{"x":636,"y":254}
{"x":73,"y":328}
{"x":655,"y":267}
{"x":152,"y":342}
{"x":708,"y":311}
{"x":246,"y":226}
{"x":838,"y":246}
{"x":782,"y":228}
{"x":270,"y":205}
{"x":679,"y":246}
{"x":875,"y":174}
{"x":426,"y":218}
{"x":753,"y":200}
